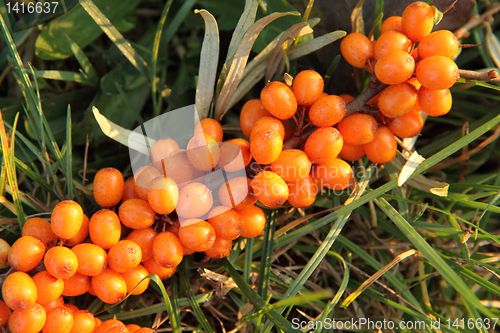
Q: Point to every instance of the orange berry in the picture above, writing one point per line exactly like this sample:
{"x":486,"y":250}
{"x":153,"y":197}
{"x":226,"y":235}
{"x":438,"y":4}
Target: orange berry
{"x":414,"y":82}
{"x":4,"y":314}
{"x":129,"y":190}
{"x":327,"y":111}
{"x":48,"y":287}
{"x":41,"y":229}
{"x":250,"y":113}
{"x":397,"y":100}
{"x":195,"y":200}
{"x":203,"y":152}
{"x":394,"y":67}
{"x":441,"y":42}
{"x":307,"y":87}
{"x":54,"y":304}
{"x":83,"y":322}
{"x":254,"y":221}
{"x":133,"y":277}
{"x":76,"y":285}
{"x":417,"y":20}
{"x":4,"y":253}
{"x":292,"y":165}
{"x":92,"y":259}
{"x":269,"y":123}
{"x":266,"y":146}
{"x":302,"y":192}
{"x":59,"y":320}
{"x":237,"y":193}
{"x":108,"y":187}
{"x":28,"y":320}
{"x":146,"y":330}
{"x":324,"y":144}
{"x":144,"y":238}
{"x":136,"y":214}
{"x":105,"y":228}
{"x":391,"y":40}
{"x":434,"y":103}
{"x":211,"y":127}
{"x":19,"y":291}
{"x":109,"y":286}
{"x":178,"y":168}
{"x":358,"y":128}
{"x":167,"y":249}
{"x":221,"y":248}
{"x":66,"y":219}
{"x":143,"y":177}
{"x":104,"y":327}
{"x":82,"y":234}
{"x":352,"y":152}
{"x":270,"y":189}
{"x":133,"y":327}
{"x":356,"y":49}
{"x":279,"y":100}
{"x":234,"y":155}
{"x":161,"y":149}
{"x":406,"y":126}
{"x":437,"y":72}
{"x":71,"y":307}
{"x":154,"y":268}
{"x":383,"y":147}
{"x":197,"y":235}
{"x":163,"y":195}
{"x":26,"y":253}
{"x":391,"y":23}
{"x":335,"y":174}
{"x":124,"y":256}
{"x":346,"y":97}
{"x":226,"y":222}
{"x":61,"y":262}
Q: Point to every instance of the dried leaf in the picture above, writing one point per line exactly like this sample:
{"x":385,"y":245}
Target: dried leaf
{"x":493,"y":45}
{"x":208,"y":64}
{"x":122,"y":135}
{"x":410,"y":167}
{"x":358,"y":25}
{"x":310,"y":46}
{"x":285,"y":41}
{"x":438,"y":15}
{"x":245,"y":22}
{"x":237,"y":68}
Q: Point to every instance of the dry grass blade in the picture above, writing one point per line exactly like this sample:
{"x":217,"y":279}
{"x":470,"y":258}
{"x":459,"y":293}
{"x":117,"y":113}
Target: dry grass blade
{"x":493,"y":45}
{"x":237,"y":68}
{"x":245,"y":22}
{"x":285,"y":41}
{"x":122,"y":135}
{"x":208,"y":64}
{"x":377,"y":276}
{"x":409,"y":167}
{"x":310,"y":46}
{"x":358,"y":25}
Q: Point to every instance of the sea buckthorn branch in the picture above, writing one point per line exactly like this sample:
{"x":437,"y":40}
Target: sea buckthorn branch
{"x":476,"y":20}
{"x":359,"y":102}
{"x":491,"y":76}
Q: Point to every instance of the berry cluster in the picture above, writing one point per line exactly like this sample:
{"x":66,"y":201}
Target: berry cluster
{"x":416,"y":63}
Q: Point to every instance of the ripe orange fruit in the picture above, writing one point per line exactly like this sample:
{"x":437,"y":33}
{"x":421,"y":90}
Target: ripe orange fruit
{"x":108,"y":187}
{"x":109,"y":286}
{"x":105,"y":228}
{"x":41,"y":229}
{"x":61,"y":262}
{"x":279,"y":100}
{"x":26,"y":253}
{"x":66,"y":219}
{"x":270,"y":189}
{"x":19,"y":291}
{"x":307,"y":87}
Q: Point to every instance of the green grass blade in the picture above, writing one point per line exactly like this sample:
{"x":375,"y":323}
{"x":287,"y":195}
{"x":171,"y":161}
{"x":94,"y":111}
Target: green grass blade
{"x":61,"y":76}
{"x":331,"y":69}
{"x":267,"y":255}
{"x":175,"y":298}
{"x":176,"y":325}
{"x":69,"y":156}
{"x":434,"y":258}
{"x":154,"y":55}
{"x":84,"y":62}
{"x":194,"y":305}
{"x":116,"y":37}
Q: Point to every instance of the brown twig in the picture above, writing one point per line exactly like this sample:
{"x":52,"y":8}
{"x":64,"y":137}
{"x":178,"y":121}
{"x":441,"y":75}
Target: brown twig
{"x":476,"y":20}
{"x":491,"y":76}
{"x":359,"y":102}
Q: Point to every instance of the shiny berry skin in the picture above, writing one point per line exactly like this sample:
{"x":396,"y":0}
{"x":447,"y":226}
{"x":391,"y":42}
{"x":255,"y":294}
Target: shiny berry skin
{"x":266,"y":146}
{"x":197,"y":235}
{"x":383,"y":147}
{"x":417,"y":20}
{"x":4,"y":313}
{"x":105,"y":228}
{"x":441,"y":42}
{"x":269,"y":123}
{"x":4,"y":253}
{"x":124,"y":256}
{"x":270,"y":189}
{"x":302,"y":193}
{"x":221,"y":248}
{"x":136,"y":214}
{"x":406,"y":126}
{"x":133,"y":277}
{"x":226,"y":222}
{"x":395,"y":67}
{"x":154,"y":268}
{"x":26,"y":253}
{"x":83,"y":322}
{"x":203,"y":152}
{"x":163,"y":195}
{"x":323,"y":144}
{"x":437,"y":72}
{"x":434,"y":103}
{"x":307,"y":87}
{"x":161,"y":149}
{"x":143,"y":178}
{"x":92,"y":259}
{"x":336,"y":174}
{"x":358,"y":128}
{"x":356,"y":49}
{"x":28,"y":320}
{"x":167,"y":249}
{"x":237,"y":193}
{"x":211,"y":127}
{"x":391,"y":23}
{"x":292,"y":165}
{"x":41,"y":229}
{"x":66,"y":219}
{"x":254,"y":221}
{"x":129,"y":190}
{"x":352,"y":152}
{"x":397,"y":100}
{"x":108,"y":187}
{"x":48,"y":287}
{"x":81,"y":235}
{"x":327,"y":111}
{"x":195,"y":200}
{"x":391,"y":40}
{"x":61,"y":262}
{"x":279,"y":100}
{"x":109,"y":286}
{"x":234,"y":155}
{"x":144,"y":238}
{"x":19,"y":291}
{"x":250,"y":113}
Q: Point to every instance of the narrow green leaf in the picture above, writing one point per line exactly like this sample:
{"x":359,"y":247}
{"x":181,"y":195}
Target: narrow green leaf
{"x":84,"y":61}
{"x":246,"y":20}
{"x":267,"y":255}
{"x":62,"y":76}
{"x":331,"y":69}
{"x":69,"y":155}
